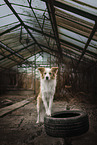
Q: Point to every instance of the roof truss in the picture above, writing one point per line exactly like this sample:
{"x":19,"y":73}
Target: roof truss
{"x":45,"y":34}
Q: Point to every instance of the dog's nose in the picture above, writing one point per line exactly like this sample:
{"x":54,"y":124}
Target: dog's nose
{"x":47,"y":78}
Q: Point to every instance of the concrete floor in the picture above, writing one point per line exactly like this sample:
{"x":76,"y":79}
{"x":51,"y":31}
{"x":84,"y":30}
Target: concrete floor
{"x":20,"y":128}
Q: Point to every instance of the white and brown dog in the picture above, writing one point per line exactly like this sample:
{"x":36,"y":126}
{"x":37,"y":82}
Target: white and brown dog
{"x":47,"y":91}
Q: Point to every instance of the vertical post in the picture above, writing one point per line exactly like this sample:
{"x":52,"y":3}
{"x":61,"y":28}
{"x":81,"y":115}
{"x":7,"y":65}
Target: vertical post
{"x":50,"y":60}
{"x":95,"y":76}
{"x":17,"y":77}
{"x":32,"y":77}
{"x":26,"y":77}
{"x":34,"y":72}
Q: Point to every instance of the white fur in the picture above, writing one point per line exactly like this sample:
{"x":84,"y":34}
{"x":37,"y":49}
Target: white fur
{"x":47,"y":91}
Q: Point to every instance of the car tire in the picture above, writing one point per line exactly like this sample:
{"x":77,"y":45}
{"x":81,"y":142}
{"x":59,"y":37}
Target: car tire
{"x":67,"y":123}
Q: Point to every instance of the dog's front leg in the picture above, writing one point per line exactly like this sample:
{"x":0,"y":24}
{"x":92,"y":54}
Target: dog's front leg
{"x":38,"y":109}
{"x":45,"y":104}
{"x":50,"y":105}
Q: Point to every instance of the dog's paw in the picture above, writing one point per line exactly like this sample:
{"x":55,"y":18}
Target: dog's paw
{"x":37,"y":122}
{"x":48,"y":112}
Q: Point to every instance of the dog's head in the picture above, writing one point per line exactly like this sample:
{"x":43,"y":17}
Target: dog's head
{"x":48,"y":73}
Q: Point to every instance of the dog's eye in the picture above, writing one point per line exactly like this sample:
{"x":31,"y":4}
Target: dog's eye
{"x":50,"y":73}
{"x":45,"y":73}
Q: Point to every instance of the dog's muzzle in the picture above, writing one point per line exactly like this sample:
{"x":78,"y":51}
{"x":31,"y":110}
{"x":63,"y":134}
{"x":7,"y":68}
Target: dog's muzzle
{"x":47,"y":78}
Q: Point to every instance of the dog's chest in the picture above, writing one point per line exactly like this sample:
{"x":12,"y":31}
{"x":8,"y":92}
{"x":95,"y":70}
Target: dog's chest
{"x":48,"y":86}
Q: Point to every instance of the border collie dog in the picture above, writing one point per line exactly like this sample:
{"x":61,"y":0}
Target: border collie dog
{"x":47,"y":91}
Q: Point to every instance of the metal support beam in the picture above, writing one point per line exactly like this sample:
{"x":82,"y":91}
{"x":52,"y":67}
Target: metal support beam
{"x":52,"y":50}
{"x":7,"y":56}
{"x":41,"y":32}
{"x":22,"y":23}
{"x":73,"y":9}
{"x":10,"y":50}
{"x":51,"y":10}
{"x":37,"y":20}
{"x":77,"y":48}
{"x":88,"y":41}
{"x":8,"y":30}
{"x":13,"y":52}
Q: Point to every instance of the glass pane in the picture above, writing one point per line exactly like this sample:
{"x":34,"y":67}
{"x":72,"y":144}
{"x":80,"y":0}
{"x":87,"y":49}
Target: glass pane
{"x":85,"y":5}
{"x":72,"y":34}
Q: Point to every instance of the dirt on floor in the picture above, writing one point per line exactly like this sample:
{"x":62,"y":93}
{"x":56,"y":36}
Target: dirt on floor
{"x":14,"y":96}
{"x":20,"y":128}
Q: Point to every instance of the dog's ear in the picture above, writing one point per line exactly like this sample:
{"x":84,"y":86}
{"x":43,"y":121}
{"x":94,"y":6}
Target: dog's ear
{"x":41,"y":69}
{"x":54,"y":69}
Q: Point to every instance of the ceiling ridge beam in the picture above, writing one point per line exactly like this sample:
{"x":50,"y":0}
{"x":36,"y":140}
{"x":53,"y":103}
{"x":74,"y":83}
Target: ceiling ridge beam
{"x":22,"y":23}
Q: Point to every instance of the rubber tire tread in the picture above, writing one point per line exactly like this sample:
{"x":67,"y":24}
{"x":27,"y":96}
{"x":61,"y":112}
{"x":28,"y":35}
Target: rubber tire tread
{"x":66,"y":127}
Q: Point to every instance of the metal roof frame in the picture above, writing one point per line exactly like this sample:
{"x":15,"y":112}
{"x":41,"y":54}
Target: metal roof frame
{"x":22,"y":23}
{"x":65,"y":6}
{"x":53,"y":43}
{"x":88,"y":41}
{"x":70,"y":8}
{"x":51,"y":12}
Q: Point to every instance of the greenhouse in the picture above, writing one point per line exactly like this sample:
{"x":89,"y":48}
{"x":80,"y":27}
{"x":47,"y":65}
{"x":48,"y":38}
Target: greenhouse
{"x":46,"y":34}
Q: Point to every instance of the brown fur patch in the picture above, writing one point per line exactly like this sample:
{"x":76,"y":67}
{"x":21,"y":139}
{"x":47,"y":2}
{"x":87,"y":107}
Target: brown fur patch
{"x":42,"y":69}
{"x":54,"y":71}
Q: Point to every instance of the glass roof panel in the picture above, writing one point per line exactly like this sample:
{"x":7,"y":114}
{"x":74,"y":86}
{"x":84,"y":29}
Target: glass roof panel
{"x":86,"y":5}
{"x":71,"y":41}
{"x":72,"y":18}
{"x":4,"y":10}
{"x":93,"y":43}
{"x":21,"y":2}
{"x":72,"y":50}
{"x":2,"y":2}
{"x":90,"y":57}
{"x":72,"y":34}
{"x":91,"y":49}
{"x":38,"y":3}
{"x":72,"y":28}
{"x":76,"y":15}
